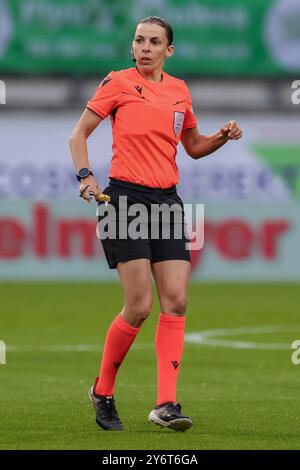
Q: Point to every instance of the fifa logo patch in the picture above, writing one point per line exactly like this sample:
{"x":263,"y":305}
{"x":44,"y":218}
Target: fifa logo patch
{"x":178,"y":121}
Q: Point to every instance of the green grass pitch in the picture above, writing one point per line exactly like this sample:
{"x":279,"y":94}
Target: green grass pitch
{"x":239,"y":398}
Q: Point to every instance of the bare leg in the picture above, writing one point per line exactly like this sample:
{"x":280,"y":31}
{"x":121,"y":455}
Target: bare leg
{"x":172,"y":279}
{"x":136,"y":282}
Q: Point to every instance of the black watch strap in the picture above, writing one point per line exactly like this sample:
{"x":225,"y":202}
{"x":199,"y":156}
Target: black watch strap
{"x":83,"y":173}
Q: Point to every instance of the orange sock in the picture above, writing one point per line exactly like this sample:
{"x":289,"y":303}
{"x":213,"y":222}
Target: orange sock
{"x":119,"y":338}
{"x":169,"y":341}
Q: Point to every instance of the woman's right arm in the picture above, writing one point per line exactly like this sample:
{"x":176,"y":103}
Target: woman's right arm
{"x":78,"y":146}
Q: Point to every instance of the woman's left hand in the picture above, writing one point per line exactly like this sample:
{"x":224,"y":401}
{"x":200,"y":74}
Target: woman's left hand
{"x":232,"y":130}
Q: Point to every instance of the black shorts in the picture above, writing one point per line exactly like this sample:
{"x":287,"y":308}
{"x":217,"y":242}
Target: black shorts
{"x":161,"y":237}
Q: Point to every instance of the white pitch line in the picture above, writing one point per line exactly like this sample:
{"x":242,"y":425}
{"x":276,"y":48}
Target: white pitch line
{"x":207,"y":338}
{"x":68,"y":347}
{"x":55,"y":348}
{"x":239,"y":344}
{"x":201,"y":338}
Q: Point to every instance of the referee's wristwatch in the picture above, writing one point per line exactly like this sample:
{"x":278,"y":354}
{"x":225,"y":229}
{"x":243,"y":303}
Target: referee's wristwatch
{"x":83,"y":173}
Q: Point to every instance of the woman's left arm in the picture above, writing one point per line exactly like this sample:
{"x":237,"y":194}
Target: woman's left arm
{"x":198,"y":146}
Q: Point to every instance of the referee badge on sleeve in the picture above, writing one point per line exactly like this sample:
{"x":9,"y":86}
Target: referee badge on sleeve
{"x":178,"y":121}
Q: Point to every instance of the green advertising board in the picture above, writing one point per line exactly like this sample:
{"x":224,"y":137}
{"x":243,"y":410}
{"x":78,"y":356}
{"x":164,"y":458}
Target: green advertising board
{"x":218,"y":37}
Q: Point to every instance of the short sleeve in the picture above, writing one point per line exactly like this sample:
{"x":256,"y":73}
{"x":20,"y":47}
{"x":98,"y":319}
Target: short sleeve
{"x":106,"y":96}
{"x":190,"y":120}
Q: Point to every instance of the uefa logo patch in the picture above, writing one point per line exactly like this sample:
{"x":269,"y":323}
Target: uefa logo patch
{"x":178,"y":121}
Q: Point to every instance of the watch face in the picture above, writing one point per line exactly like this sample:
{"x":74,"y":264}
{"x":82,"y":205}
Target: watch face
{"x":84,"y":172}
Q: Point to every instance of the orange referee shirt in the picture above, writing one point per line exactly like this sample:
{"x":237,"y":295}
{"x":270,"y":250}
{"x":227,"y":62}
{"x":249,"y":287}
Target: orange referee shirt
{"x":147,"y":120}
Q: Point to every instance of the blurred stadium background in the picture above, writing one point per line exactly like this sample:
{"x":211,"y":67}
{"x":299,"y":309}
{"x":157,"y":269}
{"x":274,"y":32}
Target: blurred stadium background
{"x":240,"y":59}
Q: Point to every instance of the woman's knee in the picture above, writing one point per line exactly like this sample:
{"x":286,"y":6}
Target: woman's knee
{"x":138,"y":310}
{"x":175,"y":305}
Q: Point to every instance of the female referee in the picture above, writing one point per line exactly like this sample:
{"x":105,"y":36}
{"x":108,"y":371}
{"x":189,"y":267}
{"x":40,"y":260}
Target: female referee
{"x":150,"y":112}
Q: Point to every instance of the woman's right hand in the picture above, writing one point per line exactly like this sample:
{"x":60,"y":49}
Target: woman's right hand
{"x":89,"y":185}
